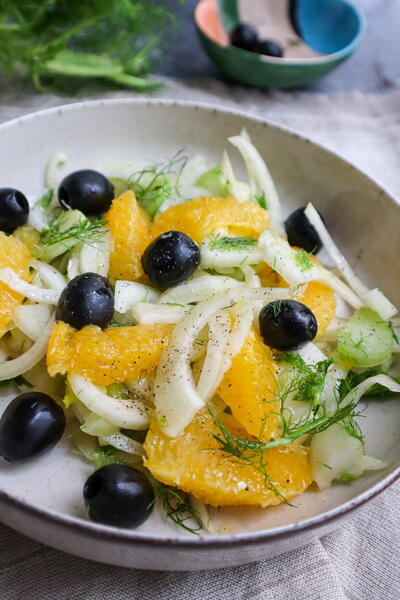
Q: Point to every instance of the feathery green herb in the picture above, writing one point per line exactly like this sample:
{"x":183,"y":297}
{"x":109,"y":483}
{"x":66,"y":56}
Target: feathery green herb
{"x":62,"y":44}
{"x":231,"y":243}
{"x":307,"y":384}
{"x":156,"y":183}
{"x":86,"y":231}
{"x":251,"y":453}
{"x":176,"y":505}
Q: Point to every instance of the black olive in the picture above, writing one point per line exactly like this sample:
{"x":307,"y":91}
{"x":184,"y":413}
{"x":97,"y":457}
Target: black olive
{"x":88,"y":299}
{"x":87,"y":191}
{"x":14,"y":209}
{"x":301,"y":233}
{"x":170,"y":259}
{"x":118,"y":495}
{"x":30,"y":426}
{"x":287,"y":325}
{"x":269,"y":48}
{"x":244,"y":36}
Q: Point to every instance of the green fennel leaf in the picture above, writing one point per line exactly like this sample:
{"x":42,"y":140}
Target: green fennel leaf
{"x":176,"y":505}
{"x":231,"y":243}
{"x":262,"y":201}
{"x":63,"y":44}
{"x":154,"y":184}
{"x":303,"y":261}
{"x":85,"y":231}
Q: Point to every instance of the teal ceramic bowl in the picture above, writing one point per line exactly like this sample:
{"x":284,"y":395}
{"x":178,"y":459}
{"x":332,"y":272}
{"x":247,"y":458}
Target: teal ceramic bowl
{"x":331,"y":28}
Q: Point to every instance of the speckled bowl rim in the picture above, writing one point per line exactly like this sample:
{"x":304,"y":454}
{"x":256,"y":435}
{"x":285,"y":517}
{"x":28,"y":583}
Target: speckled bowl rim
{"x":98,"y":531}
{"x":296,"y":62}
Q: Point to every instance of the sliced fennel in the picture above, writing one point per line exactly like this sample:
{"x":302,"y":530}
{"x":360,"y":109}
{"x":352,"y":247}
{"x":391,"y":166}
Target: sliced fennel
{"x":124,"y":443}
{"x":31,"y":319}
{"x":176,"y":398}
{"x":145,"y":313}
{"x":283,"y":259}
{"x":198,"y":289}
{"x":25,"y":362}
{"x":215,"y":181}
{"x":53,"y":168}
{"x":67,"y":220}
{"x":365,"y":340}
{"x":96,"y":426}
{"x":38,"y":218}
{"x":258,"y":171}
{"x":28,"y":290}
{"x":91,"y":424}
{"x":129,"y":293}
{"x":49,"y":275}
{"x":73,"y":263}
{"x":95,"y":257}
{"x":130,"y":414}
{"x":335,"y":453}
{"x":240,"y":190}
{"x":211,"y":373}
{"x":212,"y":257}
{"x":374,"y":299}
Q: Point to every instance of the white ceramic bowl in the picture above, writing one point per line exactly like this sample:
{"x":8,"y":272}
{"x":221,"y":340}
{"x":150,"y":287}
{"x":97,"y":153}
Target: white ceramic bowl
{"x":43,"y":499}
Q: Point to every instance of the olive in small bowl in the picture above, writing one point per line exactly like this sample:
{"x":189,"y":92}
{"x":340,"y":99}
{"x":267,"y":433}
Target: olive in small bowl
{"x":86,"y":190}
{"x":287,"y":325}
{"x":88,"y":299}
{"x":170,"y":259}
{"x":31,"y":425}
{"x":118,"y":495}
{"x":14,"y":209}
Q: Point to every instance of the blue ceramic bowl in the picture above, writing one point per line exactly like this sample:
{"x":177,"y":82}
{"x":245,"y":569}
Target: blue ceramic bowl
{"x":333,"y":28}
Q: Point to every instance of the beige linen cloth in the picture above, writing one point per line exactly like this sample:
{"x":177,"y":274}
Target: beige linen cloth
{"x":360,"y":561}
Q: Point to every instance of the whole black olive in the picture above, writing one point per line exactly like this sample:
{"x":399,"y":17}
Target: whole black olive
{"x":170,"y":259}
{"x":88,"y":191}
{"x":14,"y":209}
{"x":287,"y":325}
{"x":30,"y":426}
{"x":118,"y":495}
{"x":244,"y":36}
{"x":269,"y":48}
{"x":88,"y":299}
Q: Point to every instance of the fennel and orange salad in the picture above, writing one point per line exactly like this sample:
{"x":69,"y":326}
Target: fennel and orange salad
{"x":199,"y":351}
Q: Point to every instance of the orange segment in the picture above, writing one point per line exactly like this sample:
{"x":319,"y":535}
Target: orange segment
{"x":321,"y":300}
{"x":192,"y":463}
{"x":130,"y":235}
{"x":110,"y":356}
{"x":15,"y":255}
{"x":269,"y":277}
{"x":200,"y":217}
{"x":250,"y":388}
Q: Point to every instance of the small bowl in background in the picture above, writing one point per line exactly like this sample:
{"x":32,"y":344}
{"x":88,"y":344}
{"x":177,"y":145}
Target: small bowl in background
{"x":333,"y":28}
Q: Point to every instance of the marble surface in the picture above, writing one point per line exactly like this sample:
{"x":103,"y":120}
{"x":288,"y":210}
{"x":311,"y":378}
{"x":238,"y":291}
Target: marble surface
{"x":374,"y":68}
